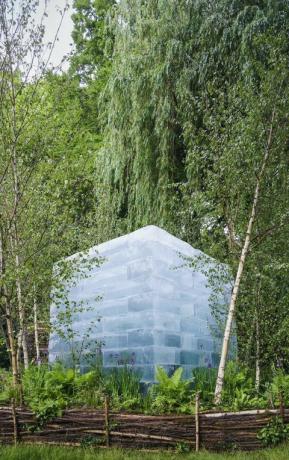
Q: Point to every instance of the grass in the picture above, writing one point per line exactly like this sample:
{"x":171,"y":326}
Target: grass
{"x":26,"y":452}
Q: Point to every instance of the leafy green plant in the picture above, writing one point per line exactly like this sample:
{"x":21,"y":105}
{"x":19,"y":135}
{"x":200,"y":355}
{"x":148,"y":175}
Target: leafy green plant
{"x":171,"y":393}
{"x":123,"y":387}
{"x":183,"y":448}
{"x":235,"y":377}
{"x":204,"y":382}
{"x":279,"y":388}
{"x":6,"y":387}
{"x":92,"y":441}
{"x":245,"y":399}
{"x":89,"y":389}
{"x":239,"y":391}
{"x":274,"y":433}
{"x":47,"y":392}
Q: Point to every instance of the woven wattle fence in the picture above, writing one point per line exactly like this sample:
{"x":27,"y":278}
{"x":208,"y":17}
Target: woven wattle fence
{"x":216,"y":431}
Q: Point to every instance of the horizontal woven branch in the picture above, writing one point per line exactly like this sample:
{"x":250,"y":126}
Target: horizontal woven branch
{"x":76,"y":426}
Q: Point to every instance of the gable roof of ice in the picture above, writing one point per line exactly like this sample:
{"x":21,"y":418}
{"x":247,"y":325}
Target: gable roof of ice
{"x":148,"y":233}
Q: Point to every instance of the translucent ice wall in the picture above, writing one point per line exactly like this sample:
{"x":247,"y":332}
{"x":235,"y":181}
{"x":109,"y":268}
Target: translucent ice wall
{"x":150,"y":313}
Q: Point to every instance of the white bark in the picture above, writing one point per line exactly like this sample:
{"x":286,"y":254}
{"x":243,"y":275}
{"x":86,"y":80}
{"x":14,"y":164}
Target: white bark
{"x":257,"y":363}
{"x":22,"y":342}
{"x":258,"y":370}
{"x":36,"y":335}
{"x":9,"y":322}
{"x":232,"y":306}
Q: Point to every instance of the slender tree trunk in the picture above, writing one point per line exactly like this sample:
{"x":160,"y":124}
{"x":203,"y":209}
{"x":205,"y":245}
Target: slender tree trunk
{"x":12,"y":345}
{"x":9,"y":322}
{"x":15,"y":245}
{"x":244,"y":252}
{"x":22,"y":342}
{"x":36,"y":334}
{"x":258,"y":370}
{"x":257,"y":329}
{"x":22,"y":333}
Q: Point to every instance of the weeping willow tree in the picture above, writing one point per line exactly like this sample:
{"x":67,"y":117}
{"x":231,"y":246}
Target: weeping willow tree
{"x":172,"y":64}
{"x":143,"y":153}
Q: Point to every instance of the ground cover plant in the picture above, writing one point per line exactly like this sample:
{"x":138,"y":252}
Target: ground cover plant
{"x":48,"y":390}
{"x":24,"y":452}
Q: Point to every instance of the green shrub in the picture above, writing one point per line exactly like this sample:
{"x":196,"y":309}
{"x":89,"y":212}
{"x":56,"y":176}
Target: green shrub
{"x":172,"y":394}
{"x":274,"y":433}
{"x":47,"y":392}
{"x":123,"y":387}
{"x":89,"y":389}
{"x":239,"y":390}
{"x":204,"y":380}
{"x":279,"y":388}
{"x":6,"y":387}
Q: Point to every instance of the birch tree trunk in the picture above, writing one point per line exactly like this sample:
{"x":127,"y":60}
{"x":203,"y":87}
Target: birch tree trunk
{"x":258,"y":370}
{"x":244,"y":252}
{"x":257,"y":330}
{"x":36,"y":334}
{"x":22,"y":342}
{"x":15,"y":246}
{"x":9,"y":322}
{"x":22,"y":332}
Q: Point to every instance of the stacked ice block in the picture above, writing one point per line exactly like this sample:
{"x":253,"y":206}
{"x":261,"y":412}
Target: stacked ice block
{"x":154,"y":310}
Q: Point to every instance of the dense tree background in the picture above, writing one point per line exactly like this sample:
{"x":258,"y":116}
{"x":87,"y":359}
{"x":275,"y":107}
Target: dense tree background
{"x":162,"y":118}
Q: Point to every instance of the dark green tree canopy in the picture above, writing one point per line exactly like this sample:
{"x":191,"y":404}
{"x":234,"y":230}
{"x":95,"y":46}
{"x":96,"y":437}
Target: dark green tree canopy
{"x":93,"y":43}
{"x":174,"y":65}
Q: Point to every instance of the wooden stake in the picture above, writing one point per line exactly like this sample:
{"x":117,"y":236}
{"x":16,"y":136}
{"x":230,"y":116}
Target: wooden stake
{"x":15,"y":424}
{"x":106,"y":415}
{"x":197,"y":421}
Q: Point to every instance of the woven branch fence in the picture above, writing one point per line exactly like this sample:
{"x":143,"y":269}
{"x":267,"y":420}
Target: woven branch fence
{"x":215,"y":431}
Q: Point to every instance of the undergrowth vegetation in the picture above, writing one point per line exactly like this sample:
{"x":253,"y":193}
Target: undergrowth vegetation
{"x":48,"y":390}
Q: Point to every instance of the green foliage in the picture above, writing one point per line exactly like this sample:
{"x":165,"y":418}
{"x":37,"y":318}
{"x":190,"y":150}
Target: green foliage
{"x":92,"y":39}
{"x":204,"y":381}
{"x":91,"y":441}
{"x":239,"y":390}
{"x":35,"y":452}
{"x":171,"y":393}
{"x":162,"y":118}
{"x":278,"y":389}
{"x":6,"y":387}
{"x":123,"y":386}
{"x":274,"y":433}
{"x":183,"y":448}
{"x":48,"y":392}
{"x":235,"y":377}
{"x":4,"y":356}
{"x":90,"y":388}
{"x":187,"y":111}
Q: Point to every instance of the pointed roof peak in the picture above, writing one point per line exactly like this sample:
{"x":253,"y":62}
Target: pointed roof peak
{"x":149,"y":233}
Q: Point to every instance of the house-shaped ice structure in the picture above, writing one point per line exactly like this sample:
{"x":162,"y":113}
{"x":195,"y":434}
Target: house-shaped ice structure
{"x":153,"y":310}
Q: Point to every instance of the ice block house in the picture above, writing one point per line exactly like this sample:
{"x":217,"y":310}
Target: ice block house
{"x":154,"y":309}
